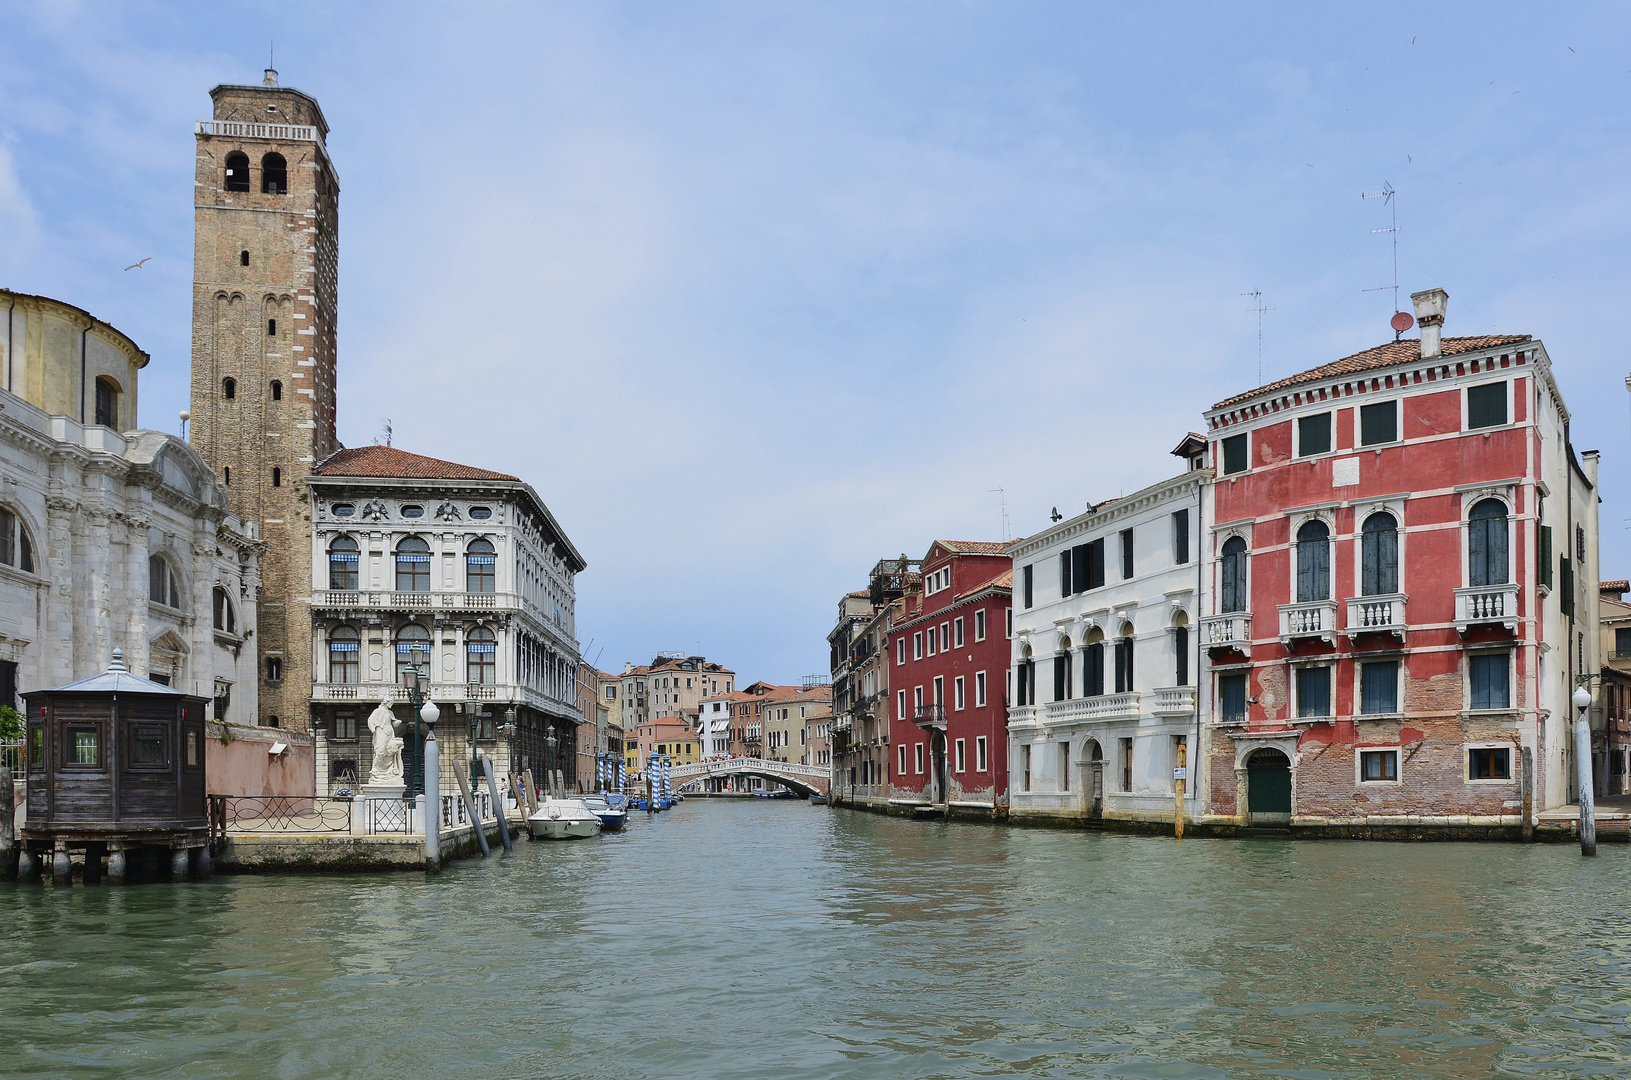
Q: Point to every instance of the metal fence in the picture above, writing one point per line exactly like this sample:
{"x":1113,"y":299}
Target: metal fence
{"x":11,"y":756}
{"x":229,"y":814}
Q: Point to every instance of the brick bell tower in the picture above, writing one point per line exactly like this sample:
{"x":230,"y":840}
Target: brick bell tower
{"x":265,"y":261}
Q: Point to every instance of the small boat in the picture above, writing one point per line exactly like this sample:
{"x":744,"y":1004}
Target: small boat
{"x":612,"y":818}
{"x":819,"y":800}
{"x":563,"y":819}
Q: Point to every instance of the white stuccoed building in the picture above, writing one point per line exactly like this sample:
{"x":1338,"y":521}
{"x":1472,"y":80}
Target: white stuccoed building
{"x":461,"y":573}
{"x":110,"y":537}
{"x":1105,"y":655}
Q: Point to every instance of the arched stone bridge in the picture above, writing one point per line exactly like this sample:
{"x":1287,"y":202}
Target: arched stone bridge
{"x":804,"y":779}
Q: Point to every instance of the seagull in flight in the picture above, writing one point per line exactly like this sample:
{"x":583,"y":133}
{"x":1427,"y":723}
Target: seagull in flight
{"x":138,"y":265}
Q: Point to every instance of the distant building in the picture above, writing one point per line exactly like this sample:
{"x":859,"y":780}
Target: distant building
{"x":785,"y":714}
{"x":1611,"y":720}
{"x":671,"y":685}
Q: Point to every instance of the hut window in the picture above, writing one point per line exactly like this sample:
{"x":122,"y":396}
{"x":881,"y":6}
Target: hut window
{"x":192,"y":749}
{"x":161,"y":583}
{"x":147,"y":744}
{"x":36,"y":747}
{"x":237,"y":171}
{"x":274,"y":175}
{"x":224,"y":619}
{"x":84,"y":747}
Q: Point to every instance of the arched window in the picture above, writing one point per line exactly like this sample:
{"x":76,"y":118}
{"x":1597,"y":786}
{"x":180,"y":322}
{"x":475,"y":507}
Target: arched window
{"x":342,"y":564}
{"x":412,"y":652}
{"x":107,"y":402}
{"x":480,"y":652}
{"x":479,"y":560}
{"x":1379,"y":555}
{"x":225,"y":620}
{"x":1313,"y":562}
{"x":229,"y":388}
{"x":1233,"y":585}
{"x":15,"y":548}
{"x":274,"y":175}
{"x":1487,"y":544}
{"x":413,"y":565}
{"x":1093,"y":664}
{"x":343,"y":650}
{"x":1062,"y":671}
{"x":277,"y":390}
{"x":237,"y":171}
{"x":162,"y":587}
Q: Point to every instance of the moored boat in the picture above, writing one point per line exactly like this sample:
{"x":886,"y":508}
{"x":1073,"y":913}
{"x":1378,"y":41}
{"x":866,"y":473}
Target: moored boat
{"x":563,"y":819}
{"x":612,"y":818}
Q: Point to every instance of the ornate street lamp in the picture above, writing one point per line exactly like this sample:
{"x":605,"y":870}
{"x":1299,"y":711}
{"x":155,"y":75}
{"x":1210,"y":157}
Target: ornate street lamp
{"x":549,"y":759}
{"x":509,"y":739}
{"x":417,"y":656}
{"x":1582,"y":768}
{"x":473,"y":707}
{"x":429,"y":713}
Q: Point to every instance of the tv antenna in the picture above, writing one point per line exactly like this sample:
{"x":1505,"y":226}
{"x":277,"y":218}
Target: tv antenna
{"x":1257,"y":298}
{"x":1401,"y":321}
{"x":385,"y":429}
{"x":1003,"y":496}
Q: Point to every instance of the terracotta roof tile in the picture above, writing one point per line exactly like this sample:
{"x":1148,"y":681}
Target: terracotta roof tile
{"x":387,"y":462}
{"x":974,"y":547}
{"x":1407,"y":351}
{"x":1004,"y":580}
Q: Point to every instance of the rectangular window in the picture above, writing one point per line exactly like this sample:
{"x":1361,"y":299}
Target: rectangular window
{"x":979,"y":625}
{"x":979,"y":689}
{"x":1008,"y":622}
{"x":1025,"y":579}
{"x":1025,"y":768}
{"x":1235,"y":459}
{"x":1064,"y":573}
{"x":900,"y":704}
{"x":1126,"y":554}
{"x":1061,"y":677}
{"x":1489,"y":763}
{"x":1064,"y":766}
{"x":1379,"y":687}
{"x":979,"y":754}
{"x":957,"y":693}
{"x":931,"y":638}
{"x":900,"y":769}
{"x":1180,"y":537}
{"x":1378,"y":766}
{"x":939,"y":690}
{"x":1180,"y":654}
{"x":1378,"y":423}
{"x":960,"y":756}
{"x":147,"y":744}
{"x":917,"y":759}
{"x":1314,"y":435}
{"x":1126,"y":764}
{"x":900,"y":650}
{"x":1544,"y":555}
{"x":1622,"y":643}
{"x":1124,"y":665}
{"x":1232,"y":698}
{"x":194,"y":759}
{"x":917,"y":698}
{"x":945,"y":637}
{"x":1314,"y":691}
{"x":957,"y":631}
{"x":1486,"y":405}
{"x":1490,"y":675}
{"x":917,"y":645}
{"x":36,"y":747}
{"x":84,"y":746}
{"x":1095,"y":564}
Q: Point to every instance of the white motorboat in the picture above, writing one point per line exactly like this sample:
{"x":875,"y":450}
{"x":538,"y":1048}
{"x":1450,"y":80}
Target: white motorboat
{"x":563,"y":819}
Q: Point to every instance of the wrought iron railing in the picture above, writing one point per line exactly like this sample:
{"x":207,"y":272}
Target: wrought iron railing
{"x":11,"y":755}
{"x":278,"y":813}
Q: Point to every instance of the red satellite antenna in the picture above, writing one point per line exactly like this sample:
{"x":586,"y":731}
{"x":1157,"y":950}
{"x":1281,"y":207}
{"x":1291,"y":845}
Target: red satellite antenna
{"x":1402,"y":321}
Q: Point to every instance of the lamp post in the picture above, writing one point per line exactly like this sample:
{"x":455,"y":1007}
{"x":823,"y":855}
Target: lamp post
{"x":1582,"y":770}
{"x":473,"y":707}
{"x":416,"y":698}
{"x":430,"y":768}
{"x":509,"y":766}
{"x":549,"y":760}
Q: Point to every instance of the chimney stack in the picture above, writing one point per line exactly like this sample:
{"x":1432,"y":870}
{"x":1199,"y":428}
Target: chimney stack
{"x":271,"y":77}
{"x":1430,"y":317}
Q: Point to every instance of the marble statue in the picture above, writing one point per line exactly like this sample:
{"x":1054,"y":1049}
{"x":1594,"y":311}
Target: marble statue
{"x":387,"y":767}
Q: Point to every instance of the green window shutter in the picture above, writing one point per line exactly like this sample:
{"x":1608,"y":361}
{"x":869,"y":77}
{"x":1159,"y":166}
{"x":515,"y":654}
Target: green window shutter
{"x":1378,"y":423}
{"x":1546,"y":555}
{"x":1235,"y":458}
{"x":1486,"y":405}
{"x":1565,"y":581}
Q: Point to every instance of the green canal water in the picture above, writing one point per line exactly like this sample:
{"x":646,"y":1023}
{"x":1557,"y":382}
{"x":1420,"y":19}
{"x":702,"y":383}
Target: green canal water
{"x":776,"y":939}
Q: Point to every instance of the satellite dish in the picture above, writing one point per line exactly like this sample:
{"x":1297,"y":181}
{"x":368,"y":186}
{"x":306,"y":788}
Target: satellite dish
{"x":1402,"y":321}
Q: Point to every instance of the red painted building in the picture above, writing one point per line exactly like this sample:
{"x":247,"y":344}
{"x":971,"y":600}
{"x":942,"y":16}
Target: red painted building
{"x":948,"y":673}
{"x":1400,"y":545}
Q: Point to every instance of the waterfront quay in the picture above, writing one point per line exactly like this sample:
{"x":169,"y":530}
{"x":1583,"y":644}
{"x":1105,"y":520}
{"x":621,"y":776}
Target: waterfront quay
{"x":776,"y":938}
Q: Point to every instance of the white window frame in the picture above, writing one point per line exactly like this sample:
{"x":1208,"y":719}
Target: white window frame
{"x":957,"y":696}
{"x":1359,"y":766}
{"x":979,"y":689}
{"x":1008,"y":620}
{"x":917,"y":759}
{"x":1394,"y":506}
{"x":900,"y":704}
{"x":979,"y":624}
{"x":1506,"y":494}
{"x":981,"y":761}
{"x":1359,"y":662}
{"x":1511,"y":678}
{"x":1465,"y":419}
{"x":1513,"y":757}
{"x":960,"y":759}
{"x":902,"y":754}
{"x":1296,"y":698}
{"x":1397,"y":400}
{"x":1297,"y":434}
{"x":930,"y":642}
{"x":957,"y":632}
{"x":900,"y":650}
{"x":945,"y":637}
{"x":917,"y":645}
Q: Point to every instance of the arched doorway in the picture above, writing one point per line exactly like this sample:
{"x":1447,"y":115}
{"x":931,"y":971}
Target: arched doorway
{"x":1268,"y":786}
{"x":937,"y":752}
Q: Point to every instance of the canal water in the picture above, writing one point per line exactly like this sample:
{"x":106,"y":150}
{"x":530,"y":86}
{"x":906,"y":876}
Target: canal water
{"x":776,"y":939}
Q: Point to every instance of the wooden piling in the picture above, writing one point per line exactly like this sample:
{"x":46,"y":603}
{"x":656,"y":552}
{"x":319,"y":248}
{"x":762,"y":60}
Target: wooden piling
{"x":8,"y":826}
{"x":475,"y":814}
{"x":1528,"y":801}
{"x":1180,"y":777}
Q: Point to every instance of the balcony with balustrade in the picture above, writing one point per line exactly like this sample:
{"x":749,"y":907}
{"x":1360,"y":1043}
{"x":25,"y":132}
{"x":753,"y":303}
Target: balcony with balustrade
{"x":1099,"y":707}
{"x":930,"y":716}
{"x":1487,"y":605}
{"x":1381,"y":614}
{"x":1313,"y":620}
{"x":1232,"y":630}
{"x":498,"y":693}
{"x":343,"y":601}
{"x":1173,"y":701}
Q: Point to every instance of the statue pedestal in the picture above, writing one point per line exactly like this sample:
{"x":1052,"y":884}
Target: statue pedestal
{"x":387,"y":815}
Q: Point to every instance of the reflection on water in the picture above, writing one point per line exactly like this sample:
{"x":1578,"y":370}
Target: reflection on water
{"x":750,"y":939}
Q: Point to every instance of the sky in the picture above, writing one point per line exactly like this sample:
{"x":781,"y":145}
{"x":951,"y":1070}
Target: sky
{"x":755,"y":295}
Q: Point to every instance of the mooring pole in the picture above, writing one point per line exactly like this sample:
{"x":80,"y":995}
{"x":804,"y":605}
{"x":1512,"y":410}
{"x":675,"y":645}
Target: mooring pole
{"x":1527,"y":830}
{"x":1582,"y":771}
{"x":8,"y":826}
{"x":498,"y":804}
{"x":475,"y":814}
{"x":1179,"y":776}
{"x":431,"y":802}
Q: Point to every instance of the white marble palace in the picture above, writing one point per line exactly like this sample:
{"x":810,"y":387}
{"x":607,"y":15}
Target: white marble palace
{"x":110,"y":537}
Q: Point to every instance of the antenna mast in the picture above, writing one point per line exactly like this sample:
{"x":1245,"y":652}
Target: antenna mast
{"x":1003,"y":496}
{"x":1386,"y":195}
{"x":1257,"y":299}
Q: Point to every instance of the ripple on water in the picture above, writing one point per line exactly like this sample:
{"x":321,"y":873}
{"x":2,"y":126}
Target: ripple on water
{"x":756,"y":938}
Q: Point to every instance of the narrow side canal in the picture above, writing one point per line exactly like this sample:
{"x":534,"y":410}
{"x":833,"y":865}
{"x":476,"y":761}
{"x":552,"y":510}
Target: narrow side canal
{"x":755,"y":939}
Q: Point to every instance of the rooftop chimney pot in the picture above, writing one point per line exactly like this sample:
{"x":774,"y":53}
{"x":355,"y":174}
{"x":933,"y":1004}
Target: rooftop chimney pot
{"x":271,"y":77}
{"x":1430,"y":317}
